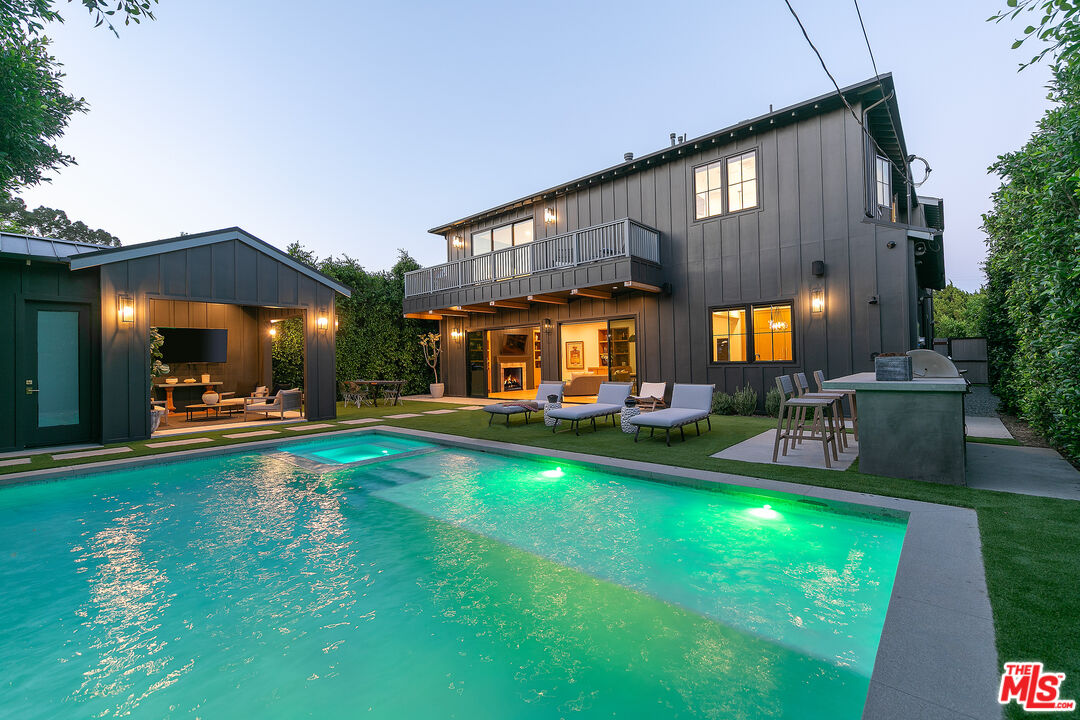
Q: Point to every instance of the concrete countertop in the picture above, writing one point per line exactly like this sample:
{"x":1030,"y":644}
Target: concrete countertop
{"x":867,"y":381}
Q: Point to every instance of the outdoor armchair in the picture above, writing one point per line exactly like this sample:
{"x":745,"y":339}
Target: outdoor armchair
{"x":609,"y":402}
{"x":283,"y":402}
{"x":651,"y":396}
{"x":689,"y":404}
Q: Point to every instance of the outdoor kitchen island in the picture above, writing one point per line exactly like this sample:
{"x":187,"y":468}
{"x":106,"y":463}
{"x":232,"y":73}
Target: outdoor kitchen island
{"x":909,"y":428}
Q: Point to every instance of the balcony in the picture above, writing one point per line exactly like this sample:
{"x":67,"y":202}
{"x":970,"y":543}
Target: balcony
{"x":607,"y":243}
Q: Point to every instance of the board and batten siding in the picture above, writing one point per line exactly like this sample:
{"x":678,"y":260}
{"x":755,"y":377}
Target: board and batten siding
{"x":226,"y":272}
{"x":811,"y":198}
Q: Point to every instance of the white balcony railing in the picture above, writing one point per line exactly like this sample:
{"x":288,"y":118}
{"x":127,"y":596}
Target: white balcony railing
{"x":622,"y":238}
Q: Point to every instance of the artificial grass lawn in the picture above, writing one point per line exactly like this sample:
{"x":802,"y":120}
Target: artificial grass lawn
{"x":1031,"y":545}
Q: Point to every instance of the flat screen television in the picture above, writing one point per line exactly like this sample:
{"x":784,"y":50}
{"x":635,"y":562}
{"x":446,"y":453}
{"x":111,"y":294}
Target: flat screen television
{"x":194,"y":345}
{"x":515,"y":344}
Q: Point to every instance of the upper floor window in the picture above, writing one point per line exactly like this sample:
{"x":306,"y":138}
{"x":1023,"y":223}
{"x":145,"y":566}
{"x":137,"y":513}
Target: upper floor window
{"x":503,"y":236}
{"x":762,"y":333}
{"x":736,"y":174}
{"x":883,"y":182}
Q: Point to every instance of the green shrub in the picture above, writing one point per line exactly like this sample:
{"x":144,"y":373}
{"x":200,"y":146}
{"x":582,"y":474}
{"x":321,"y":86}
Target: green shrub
{"x":772,"y":403}
{"x":744,"y":401}
{"x":723,"y":404}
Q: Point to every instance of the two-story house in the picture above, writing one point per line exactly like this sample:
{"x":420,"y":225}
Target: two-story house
{"x":792,"y":241}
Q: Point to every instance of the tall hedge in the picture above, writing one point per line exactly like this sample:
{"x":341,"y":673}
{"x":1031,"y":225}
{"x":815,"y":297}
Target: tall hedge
{"x":374,"y":341}
{"x":1033,"y":271}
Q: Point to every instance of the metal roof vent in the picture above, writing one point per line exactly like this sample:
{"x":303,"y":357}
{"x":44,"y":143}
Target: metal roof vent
{"x":627,"y":157}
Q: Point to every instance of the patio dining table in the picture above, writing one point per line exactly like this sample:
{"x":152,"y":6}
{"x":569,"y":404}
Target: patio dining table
{"x":389,"y":389}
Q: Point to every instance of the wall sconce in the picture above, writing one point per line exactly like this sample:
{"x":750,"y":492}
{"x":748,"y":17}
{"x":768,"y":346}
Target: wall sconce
{"x":273,"y":331}
{"x":456,"y":334}
{"x":547,"y":325}
{"x":322,"y":322}
{"x":335,"y":324}
{"x":458,"y":242}
{"x":125,"y":309}
{"x":550,"y":216}
{"x":817,"y":301}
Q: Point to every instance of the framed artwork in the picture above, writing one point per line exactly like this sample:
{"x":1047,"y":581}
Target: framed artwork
{"x":575,"y":355}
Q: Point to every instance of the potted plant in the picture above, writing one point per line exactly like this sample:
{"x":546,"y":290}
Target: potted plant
{"x":157,"y":369}
{"x":430,"y":342}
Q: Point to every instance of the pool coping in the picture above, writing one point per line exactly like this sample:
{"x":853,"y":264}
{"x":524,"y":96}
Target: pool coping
{"x":937,"y":655}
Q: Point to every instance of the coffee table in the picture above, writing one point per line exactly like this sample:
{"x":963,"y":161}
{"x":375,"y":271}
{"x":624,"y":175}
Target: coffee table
{"x":230,"y":406}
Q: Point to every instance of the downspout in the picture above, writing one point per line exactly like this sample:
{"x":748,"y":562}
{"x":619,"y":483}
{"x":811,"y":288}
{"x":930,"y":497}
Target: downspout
{"x":869,"y":162}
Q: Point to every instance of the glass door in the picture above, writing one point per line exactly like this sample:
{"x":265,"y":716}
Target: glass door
{"x":475,"y":365}
{"x":54,"y":382}
{"x":621,"y":341}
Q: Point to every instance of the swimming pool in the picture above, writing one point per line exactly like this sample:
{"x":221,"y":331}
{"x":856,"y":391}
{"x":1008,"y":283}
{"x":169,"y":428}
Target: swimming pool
{"x":438,"y":582}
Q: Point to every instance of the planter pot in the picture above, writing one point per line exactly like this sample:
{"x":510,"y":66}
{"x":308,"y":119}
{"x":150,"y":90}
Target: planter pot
{"x":436,"y":389}
{"x":156,"y":414}
{"x":206,"y":378}
{"x":892,"y":368}
{"x":210,"y":397}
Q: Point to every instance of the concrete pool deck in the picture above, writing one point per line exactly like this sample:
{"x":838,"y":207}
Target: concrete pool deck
{"x":936,"y":657}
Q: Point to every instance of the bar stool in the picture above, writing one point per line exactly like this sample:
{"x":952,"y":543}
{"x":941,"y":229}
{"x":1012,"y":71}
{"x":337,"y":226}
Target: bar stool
{"x":802,"y":389}
{"x":819,"y":378}
{"x":792,"y":417}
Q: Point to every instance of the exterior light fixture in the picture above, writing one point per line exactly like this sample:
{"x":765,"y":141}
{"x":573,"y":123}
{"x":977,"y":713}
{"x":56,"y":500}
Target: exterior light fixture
{"x":547,"y":325}
{"x":456,"y":334}
{"x":322,"y":322}
{"x":273,"y":331}
{"x":458,"y":242}
{"x":817,"y":301}
{"x":550,"y":215}
{"x":335,"y":324}
{"x":125,"y":309}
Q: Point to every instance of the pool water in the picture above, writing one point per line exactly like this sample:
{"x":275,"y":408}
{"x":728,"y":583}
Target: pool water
{"x":451,"y":584}
{"x":346,"y":450}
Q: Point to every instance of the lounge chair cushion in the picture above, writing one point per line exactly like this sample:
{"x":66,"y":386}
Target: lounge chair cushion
{"x":511,"y":408}
{"x":582,"y":412}
{"x":692,"y":396}
{"x":611,"y":393}
{"x":548,"y":388}
{"x":670,"y":418}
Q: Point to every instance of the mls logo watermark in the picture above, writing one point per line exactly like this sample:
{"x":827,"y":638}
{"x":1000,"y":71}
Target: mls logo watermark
{"x":1033,"y":689}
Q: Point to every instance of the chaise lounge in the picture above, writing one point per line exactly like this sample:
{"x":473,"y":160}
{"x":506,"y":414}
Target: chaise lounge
{"x":527,"y":407}
{"x":689,"y":404}
{"x":609,"y":402}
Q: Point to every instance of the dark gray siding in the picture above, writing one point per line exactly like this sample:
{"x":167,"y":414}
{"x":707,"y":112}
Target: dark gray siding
{"x":231,"y":272}
{"x":811,"y":190}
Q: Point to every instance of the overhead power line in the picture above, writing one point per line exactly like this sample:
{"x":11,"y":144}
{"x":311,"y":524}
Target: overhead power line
{"x":839,"y":92}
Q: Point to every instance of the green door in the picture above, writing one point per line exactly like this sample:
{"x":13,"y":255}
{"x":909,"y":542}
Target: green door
{"x":54,"y":379}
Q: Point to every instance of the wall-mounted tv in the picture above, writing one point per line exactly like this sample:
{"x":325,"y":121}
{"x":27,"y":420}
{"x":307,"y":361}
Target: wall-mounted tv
{"x":515,"y":344}
{"x":194,"y":345}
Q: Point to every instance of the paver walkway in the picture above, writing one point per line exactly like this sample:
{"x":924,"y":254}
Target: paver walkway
{"x":360,"y":421}
{"x":439,"y":412}
{"x":986,"y":427}
{"x":402,"y":416}
{"x":91,"y":453}
{"x":1023,"y":470}
{"x":15,"y":461}
{"x":759,"y":449}
{"x":253,"y":433}
{"x":174,"y":443}
{"x":314,"y":426}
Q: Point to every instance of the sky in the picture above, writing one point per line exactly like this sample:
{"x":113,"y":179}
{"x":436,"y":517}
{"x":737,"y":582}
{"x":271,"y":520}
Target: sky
{"x":354,"y":127}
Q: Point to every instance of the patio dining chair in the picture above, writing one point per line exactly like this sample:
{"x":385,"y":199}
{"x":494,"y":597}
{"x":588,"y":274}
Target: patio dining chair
{"x":792,"y":416}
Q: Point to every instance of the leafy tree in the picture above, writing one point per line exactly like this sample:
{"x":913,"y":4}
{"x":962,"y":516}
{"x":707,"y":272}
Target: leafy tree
{"x":958,"y":313}
{"x":374,"y":341}
{"x":287,"y":353}
{"x":1059,"y":27}
{"x":49,"y":222}
{"x":1033,"y":270}
{"x":34,"y":109}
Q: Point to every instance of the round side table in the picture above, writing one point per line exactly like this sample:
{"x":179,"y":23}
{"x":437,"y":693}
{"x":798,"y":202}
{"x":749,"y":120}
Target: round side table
{"x":548,"y":420}
{"x":626,"y":414}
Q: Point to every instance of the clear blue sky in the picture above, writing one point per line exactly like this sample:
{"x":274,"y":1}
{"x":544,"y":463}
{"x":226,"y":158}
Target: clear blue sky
{"x":354,"y":127}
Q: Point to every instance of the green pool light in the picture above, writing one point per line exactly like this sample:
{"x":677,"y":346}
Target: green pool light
{"x":556,"y":473}
{"x":765,"y":513}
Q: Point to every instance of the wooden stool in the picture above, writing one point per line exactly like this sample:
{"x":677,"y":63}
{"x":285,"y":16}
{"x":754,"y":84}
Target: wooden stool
{"x":802,"y":389}
{"x":819,"y":378}
{"x":792,"y":417}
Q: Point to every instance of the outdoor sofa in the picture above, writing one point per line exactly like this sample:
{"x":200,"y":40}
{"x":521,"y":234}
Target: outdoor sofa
{"x":689,"y":404}
{"x":283,"y":402}
{"x":609,"y":402}
{"x":526,"y":407}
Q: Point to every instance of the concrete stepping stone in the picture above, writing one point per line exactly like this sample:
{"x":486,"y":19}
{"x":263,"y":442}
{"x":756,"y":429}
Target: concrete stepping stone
{"x":401,"y":416}
{"x":174,"y":443}
{"x":472,"y":407}
{"x":15,"y":461}
{"x":444,"y":411}
{"x":251,"y":433}
{"x":986,"y":427}
{"x":360,"y":421}
{"x":316,"y":426}
{"x":91,"y":453}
